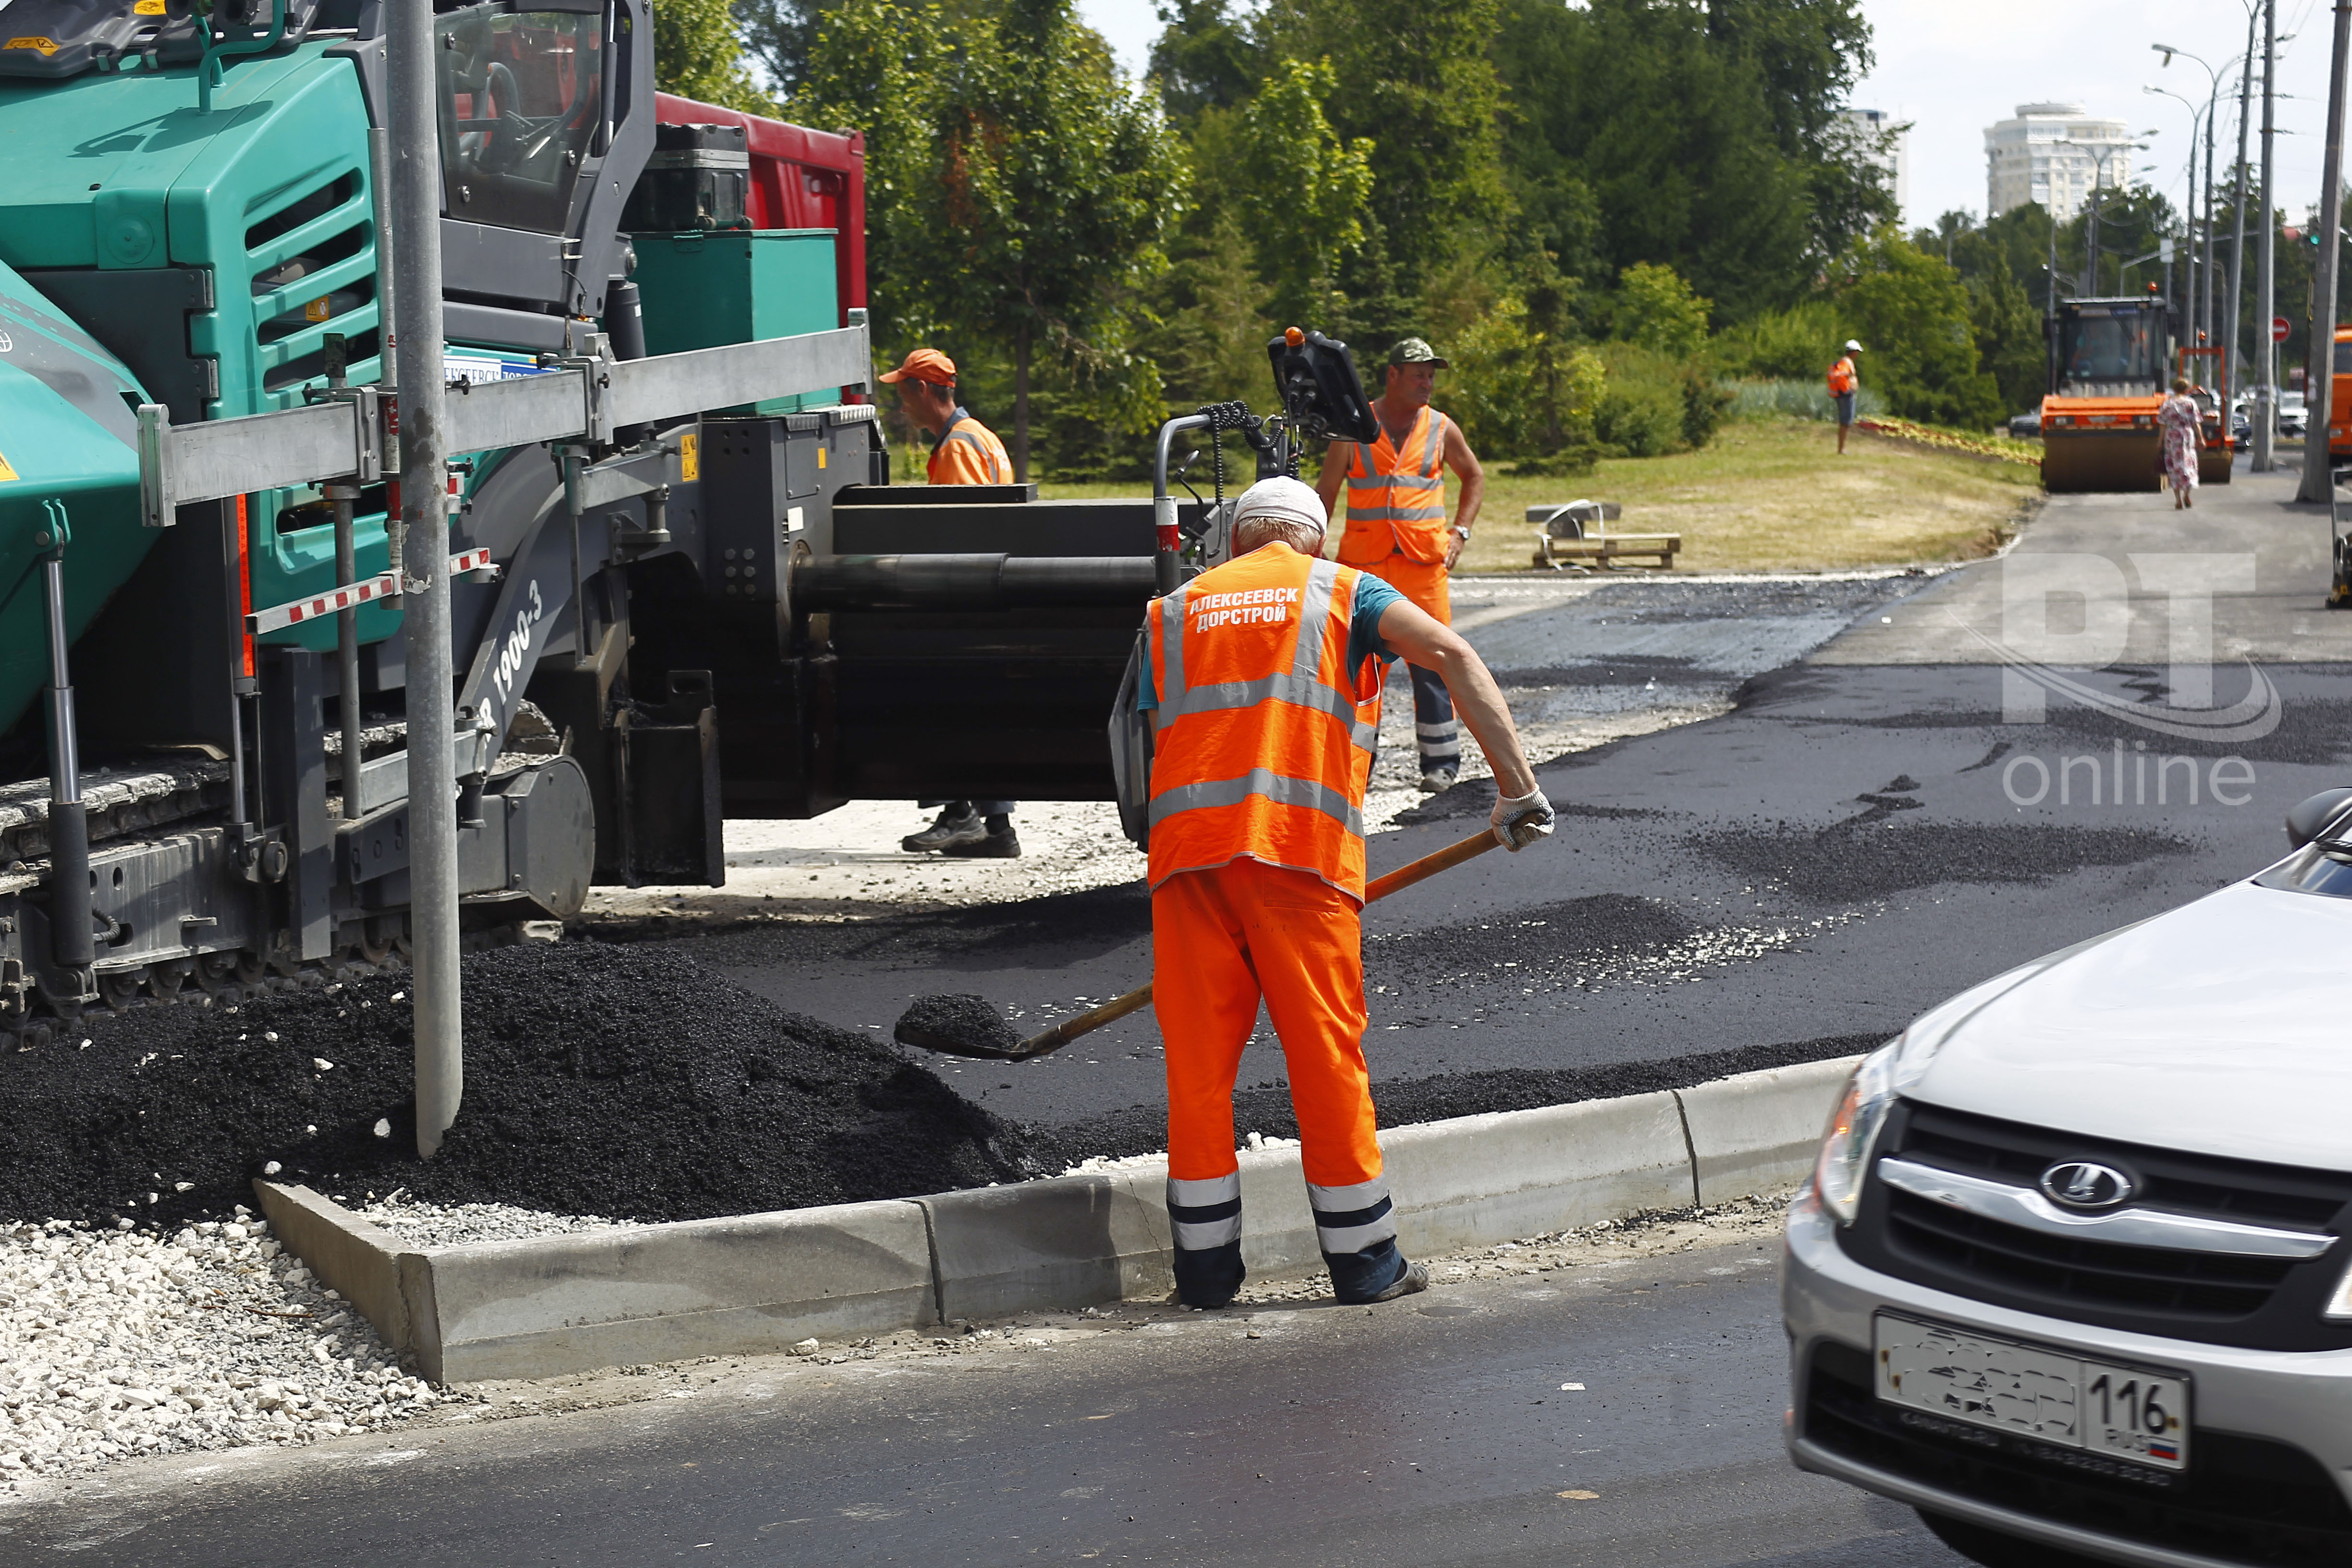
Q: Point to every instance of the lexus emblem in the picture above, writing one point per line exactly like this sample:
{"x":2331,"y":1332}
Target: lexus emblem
{"x":2085,"y":1184}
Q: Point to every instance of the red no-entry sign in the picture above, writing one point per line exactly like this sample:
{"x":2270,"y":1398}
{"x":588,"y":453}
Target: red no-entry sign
{"x":2278,"y":329}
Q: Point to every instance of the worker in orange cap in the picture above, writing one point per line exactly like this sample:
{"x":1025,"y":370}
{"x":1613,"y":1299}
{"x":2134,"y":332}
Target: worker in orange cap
{"x":963,"y":452}
{"x":1396,"y":522}
{"x":1264,"y":691}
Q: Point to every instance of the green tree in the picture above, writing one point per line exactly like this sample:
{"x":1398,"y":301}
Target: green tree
{"x":1657,"y":309}
{"x":1299,"y":189}
{"x":698,"y":55}
{"x":1421,"y":87}
{"x":2010,"y":345}
{"x":1205,"y":57}
{"x":1674,"y":149}
{"x":1023,"y":194}
{"x":1912,"y":314}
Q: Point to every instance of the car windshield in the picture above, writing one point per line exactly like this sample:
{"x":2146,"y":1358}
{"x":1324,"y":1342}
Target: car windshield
{"x":2108,"y":351}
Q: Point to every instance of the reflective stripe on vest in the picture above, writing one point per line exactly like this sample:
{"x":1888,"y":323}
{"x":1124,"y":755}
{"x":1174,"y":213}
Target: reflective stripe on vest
{"x":988,"y":461}
{"x":1399,"y":504}
{"x":1270,"y":764}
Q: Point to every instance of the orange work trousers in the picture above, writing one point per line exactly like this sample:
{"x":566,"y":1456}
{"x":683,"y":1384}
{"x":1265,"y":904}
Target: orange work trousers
{"x":1427,"y":585}
{"x":1222,"y":938}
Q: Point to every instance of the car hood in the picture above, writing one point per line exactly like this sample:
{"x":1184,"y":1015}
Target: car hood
{"x":2218,"y":1029}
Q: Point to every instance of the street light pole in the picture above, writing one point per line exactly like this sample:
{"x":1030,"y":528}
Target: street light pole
{"x":2239,"y":362}
{"x":2319,"y":416}
{"x":425,"y":509}
{"x":2265,"y":411}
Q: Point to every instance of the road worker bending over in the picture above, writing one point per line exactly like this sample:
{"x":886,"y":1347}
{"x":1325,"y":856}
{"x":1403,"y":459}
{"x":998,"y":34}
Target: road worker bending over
{"x":963,"y":452}
{"x":1396,"y":523}
{"x":1263,"y":684}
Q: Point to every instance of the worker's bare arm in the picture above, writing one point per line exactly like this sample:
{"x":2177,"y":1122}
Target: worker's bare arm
{"x":1424,"y":640}
{"x":1464,"y":464}
{"x":1334,"y":477}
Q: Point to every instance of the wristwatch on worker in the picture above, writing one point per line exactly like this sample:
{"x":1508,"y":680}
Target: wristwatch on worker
{"x":1463,"y":533}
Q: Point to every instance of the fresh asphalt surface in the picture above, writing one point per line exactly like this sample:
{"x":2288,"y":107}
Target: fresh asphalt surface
{"x":1842,"y":849}
{"x":1432,"y":1430}
{"x":1838,"y":852}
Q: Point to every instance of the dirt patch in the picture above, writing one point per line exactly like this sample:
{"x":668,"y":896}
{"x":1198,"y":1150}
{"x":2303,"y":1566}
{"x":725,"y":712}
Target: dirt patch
{"x":628,"y":1081}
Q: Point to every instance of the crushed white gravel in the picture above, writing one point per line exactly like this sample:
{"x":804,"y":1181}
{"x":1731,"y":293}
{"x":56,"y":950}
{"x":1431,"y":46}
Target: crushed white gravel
{"x":455,"y":1225}
{"x":117,"y":1342}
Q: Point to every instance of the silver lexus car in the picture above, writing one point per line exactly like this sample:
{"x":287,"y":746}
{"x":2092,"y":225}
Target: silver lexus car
{"x":2070,"y":1277}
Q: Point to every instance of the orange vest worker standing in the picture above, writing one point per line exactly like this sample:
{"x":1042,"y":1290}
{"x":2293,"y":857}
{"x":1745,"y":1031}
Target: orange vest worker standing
{"x":1396,"y":523}
{"x":1845,"y":383}
{"x":965,"y":452}
{"x":1265,"y":690}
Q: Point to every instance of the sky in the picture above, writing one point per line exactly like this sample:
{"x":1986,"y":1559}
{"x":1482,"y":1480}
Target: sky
{"x":1952,"y":70}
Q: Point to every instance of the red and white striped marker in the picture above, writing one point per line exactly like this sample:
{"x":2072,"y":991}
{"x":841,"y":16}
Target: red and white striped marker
{"x":279,"y":616}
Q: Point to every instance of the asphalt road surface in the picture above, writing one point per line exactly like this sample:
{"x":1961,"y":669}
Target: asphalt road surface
{"x":1432,"y":1430}
{"x":1868,"y":830}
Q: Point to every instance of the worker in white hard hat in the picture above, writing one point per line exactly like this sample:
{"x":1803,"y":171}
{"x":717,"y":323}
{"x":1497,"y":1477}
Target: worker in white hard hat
{"x":1843,"y":384}
{"x":1262,"y":678}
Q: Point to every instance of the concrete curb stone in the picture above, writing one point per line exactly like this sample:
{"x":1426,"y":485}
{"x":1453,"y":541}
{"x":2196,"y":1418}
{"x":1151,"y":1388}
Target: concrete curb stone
{"x":754,"y":1284}
{"x":1756,"y":1132}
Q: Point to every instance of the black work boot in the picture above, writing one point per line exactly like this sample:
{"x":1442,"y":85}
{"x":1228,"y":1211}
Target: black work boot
{"x":958,"y":823}
{"x":997,"y":842}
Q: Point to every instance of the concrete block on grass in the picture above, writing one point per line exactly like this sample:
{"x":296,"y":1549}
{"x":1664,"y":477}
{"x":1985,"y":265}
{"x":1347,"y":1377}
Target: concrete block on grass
{"x":1473,"y":1181}
{"x":1068,"y":1241}
{"x":1759,"y":1131}
{"x":747,"y":1286}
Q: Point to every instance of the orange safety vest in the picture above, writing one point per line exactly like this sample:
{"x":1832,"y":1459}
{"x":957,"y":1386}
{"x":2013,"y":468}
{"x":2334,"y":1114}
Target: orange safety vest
{"x":1263,"y":739}
{"x":1841,"y":377}
{"x":1396,"y":496}
{"x":970,"y":454}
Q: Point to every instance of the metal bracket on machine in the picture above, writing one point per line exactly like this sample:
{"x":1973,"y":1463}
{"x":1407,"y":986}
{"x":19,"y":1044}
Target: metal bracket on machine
{"x":342,"y":437}
{"x":594,"y":362}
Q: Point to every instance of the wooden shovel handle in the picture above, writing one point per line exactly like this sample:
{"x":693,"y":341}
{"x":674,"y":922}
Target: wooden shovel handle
{"x":1135,"y":1001}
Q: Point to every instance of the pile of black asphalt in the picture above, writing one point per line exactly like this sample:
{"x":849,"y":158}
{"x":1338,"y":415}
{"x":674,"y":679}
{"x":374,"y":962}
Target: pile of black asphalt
{"x":628,"y":1082}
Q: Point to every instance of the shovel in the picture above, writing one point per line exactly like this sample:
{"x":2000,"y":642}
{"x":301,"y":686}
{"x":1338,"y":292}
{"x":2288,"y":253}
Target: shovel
{"x":978,"y":1032}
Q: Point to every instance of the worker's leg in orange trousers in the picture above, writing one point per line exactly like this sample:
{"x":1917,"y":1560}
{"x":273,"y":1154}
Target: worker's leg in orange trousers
{"x":1435,"y":730}
{"x":1220,"y":940}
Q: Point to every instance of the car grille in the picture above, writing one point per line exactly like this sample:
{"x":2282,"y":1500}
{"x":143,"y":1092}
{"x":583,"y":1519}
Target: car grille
{"x":2243,"y":1500}
{"x":2265,"y":1302}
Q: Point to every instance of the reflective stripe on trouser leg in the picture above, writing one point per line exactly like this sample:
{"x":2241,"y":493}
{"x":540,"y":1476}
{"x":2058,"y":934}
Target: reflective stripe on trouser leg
{"x":1205,"y":1220}
{"x":1432,"y":722}
{"x":1356,"y":1228}
{"x":1207,"y":1003}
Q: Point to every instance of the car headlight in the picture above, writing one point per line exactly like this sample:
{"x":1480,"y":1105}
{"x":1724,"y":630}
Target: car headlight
{"x":1854,"y":1129}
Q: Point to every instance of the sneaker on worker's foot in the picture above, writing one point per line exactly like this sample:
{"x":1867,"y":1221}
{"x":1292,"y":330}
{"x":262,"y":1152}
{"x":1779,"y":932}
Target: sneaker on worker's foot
{"x":950,"y":828}
{"x":1003,"y":844}
{"x":1436,"y":781}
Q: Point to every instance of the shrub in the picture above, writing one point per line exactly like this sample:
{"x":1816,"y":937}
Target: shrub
{"x":1793,"y":399}
{"x":1521,"y":393}
{"x":1796,"y":344}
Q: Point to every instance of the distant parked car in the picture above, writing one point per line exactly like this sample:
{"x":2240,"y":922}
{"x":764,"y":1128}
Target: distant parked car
{"x":2026,"y":427}
{"x":2291,"y":416}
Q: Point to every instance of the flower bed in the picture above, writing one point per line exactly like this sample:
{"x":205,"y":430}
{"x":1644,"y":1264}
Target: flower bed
{"x":1996,"y":448}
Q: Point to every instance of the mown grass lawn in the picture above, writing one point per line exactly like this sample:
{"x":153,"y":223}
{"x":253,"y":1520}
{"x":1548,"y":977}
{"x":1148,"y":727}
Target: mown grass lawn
{"x":1766,"y":497}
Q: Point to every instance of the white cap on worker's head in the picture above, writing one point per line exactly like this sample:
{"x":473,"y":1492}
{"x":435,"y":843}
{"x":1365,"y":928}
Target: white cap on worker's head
{"x":1851,"y":347}
{"x":1290,"y":501}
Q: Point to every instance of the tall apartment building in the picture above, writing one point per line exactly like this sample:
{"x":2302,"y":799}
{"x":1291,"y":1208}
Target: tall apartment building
{"x":2050,"y":153}
{"x":1893,"y":156}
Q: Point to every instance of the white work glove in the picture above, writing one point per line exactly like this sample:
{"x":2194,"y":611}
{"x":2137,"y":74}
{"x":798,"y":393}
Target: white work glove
{"x":1519,"y":820}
